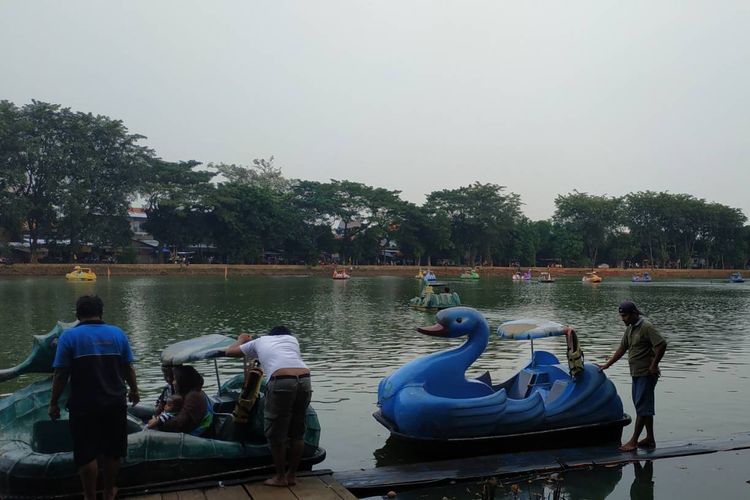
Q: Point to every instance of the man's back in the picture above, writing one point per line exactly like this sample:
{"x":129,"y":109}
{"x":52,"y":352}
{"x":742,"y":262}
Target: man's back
{"x":97,"y":355}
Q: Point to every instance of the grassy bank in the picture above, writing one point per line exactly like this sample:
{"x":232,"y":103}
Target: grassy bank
{"x":102,"y":270}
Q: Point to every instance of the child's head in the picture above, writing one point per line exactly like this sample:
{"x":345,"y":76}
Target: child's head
{"x":173,"y":404}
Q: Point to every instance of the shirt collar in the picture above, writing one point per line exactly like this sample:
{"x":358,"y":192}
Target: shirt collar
{"x":91,"y":322}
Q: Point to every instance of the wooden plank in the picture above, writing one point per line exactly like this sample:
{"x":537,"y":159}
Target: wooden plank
{"x":191,"y":495}
{"x":411,"y":475}
{"x":337,"y":488}
{"x":170,"y":496}
{"x":259,"y":491}
{"x":226,"y":493}
{"x":314,"y":489}
{"x":147,"y":497}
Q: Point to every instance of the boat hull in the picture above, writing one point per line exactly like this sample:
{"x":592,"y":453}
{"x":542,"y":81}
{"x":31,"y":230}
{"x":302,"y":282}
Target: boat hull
{"x":435,"y":301}
{"x":27,"y":480}
{"x":561,"y":437}
{"x":36,"y":458}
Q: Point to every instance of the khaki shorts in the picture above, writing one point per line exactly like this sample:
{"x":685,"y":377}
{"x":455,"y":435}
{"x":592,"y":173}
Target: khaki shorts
{"x":287,"y":399}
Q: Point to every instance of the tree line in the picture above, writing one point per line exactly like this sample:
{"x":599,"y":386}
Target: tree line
{"x":70,"y":177}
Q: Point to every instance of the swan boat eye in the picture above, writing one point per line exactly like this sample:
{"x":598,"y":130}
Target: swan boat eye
{"x":459,"y":319}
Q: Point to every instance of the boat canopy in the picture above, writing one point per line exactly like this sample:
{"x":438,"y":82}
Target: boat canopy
{"x":197,"y":349}
{"x":529,"y":329}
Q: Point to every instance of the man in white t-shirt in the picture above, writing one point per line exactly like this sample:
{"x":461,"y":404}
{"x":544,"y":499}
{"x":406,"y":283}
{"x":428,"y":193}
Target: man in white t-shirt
{"x":288,"y":394}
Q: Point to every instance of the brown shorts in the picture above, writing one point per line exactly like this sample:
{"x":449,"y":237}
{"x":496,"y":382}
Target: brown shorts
{"x":287,"y":399}
{"x":100,"y":432}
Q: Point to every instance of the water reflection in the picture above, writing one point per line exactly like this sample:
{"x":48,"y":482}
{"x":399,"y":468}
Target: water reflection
{"x":643,"y":484}
{"x":713,"y":475}
{"x":578,"y":484}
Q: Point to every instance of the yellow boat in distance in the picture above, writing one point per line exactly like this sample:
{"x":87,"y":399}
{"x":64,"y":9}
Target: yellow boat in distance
{"x":81,"y":274}
{"x":591,"y":277}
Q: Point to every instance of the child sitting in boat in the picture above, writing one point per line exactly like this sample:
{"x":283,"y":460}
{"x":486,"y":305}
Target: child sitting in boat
{"x":172,"y":407}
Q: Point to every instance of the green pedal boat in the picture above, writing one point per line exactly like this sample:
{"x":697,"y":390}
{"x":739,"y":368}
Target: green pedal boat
{"x":36,"y":457}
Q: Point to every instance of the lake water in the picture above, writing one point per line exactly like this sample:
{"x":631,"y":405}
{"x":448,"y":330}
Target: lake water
{"x":355,"y":332}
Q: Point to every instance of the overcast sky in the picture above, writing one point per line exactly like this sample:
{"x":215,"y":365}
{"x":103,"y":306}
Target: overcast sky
{"x":606,"y":97}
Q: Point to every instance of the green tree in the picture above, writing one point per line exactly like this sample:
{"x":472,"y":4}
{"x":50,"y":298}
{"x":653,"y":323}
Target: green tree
{"x":646,"y":215}
{"x":482,"y":217}
{"x":594,"y":218}
{"x":261,"y":173}
{"x":248,"y":220}
{"x":176,"y":198}
{"x":721,"y":235}
{"x":354,"y":209}
{"x":422,"y":232}
{"x":68,"y":174}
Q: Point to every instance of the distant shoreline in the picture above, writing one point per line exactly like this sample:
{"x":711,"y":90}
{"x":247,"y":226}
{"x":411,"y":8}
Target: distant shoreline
{"x":300,"y":270}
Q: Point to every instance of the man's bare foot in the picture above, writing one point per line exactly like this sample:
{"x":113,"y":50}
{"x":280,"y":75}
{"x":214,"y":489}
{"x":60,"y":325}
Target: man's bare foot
{"x":646,"y":443}
{"x":275,"y":481}
{"x":291,"y":480}
{"x":629,"y":446}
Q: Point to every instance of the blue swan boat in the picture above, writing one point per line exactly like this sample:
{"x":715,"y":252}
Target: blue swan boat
{"x":430,"y":401}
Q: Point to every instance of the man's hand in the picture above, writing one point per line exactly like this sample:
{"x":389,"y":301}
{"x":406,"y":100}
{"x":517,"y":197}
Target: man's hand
{"x":53,"y":411}
{"x":152,"y":423}
{"x":654,"y":371}
{"x":134,"y":396}
{"x":601,"y":367}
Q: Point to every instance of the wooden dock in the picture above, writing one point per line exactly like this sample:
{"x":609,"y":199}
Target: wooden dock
{"x":312,"y":487}
{"x":327,"y":485}
{"x":379,"y":480}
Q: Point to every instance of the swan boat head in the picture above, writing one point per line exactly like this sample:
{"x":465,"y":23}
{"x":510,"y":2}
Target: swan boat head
{"x":442,"y":373}
{"x":42,"y":354}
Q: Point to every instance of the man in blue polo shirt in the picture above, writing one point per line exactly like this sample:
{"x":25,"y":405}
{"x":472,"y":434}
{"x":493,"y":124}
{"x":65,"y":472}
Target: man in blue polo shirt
{"x":97,"y":359}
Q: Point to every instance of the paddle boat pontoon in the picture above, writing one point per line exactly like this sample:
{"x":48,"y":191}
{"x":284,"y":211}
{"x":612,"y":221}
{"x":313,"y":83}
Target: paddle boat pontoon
{"x":517,"y":276}
{"x":435,"y":296}
{"x":429,"y":401}
{"x":591,"y":277}
{"x":641,"y":278}
{"x":81,"y":274}
{"x":736,"y":278}
{"x":340,"y":275}
{"x":429,"y":277}
{"x":546,"y":277}
{"x":470,"y":274}
{"x":36,"y":457}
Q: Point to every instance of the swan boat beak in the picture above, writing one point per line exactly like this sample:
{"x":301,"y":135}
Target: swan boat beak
{"x":436,"y":330}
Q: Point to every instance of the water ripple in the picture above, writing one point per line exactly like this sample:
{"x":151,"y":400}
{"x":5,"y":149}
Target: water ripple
{"x":356,"y":332}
